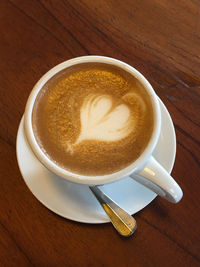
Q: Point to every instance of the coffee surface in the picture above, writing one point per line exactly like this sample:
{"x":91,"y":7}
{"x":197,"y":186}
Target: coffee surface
{"x":93,"y":119}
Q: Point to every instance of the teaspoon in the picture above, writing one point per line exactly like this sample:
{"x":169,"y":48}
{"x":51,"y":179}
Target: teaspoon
{"x":123,"y":222}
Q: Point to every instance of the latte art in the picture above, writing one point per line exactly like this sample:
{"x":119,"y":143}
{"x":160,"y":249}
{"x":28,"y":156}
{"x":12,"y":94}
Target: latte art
{"x":93,"y":119}
{"x":103,"y":120}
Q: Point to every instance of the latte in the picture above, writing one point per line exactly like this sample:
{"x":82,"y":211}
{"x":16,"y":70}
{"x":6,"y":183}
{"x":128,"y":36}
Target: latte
{"x":93,"y":119}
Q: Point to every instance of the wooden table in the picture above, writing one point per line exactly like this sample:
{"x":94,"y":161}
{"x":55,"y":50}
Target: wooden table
{"x":161,"y":39}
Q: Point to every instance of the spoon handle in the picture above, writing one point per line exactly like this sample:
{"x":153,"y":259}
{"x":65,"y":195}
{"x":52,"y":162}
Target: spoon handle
{"x":123,"y":222}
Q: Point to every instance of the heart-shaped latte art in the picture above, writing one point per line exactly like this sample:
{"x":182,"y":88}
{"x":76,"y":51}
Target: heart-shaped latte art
{"x":102,"y":120}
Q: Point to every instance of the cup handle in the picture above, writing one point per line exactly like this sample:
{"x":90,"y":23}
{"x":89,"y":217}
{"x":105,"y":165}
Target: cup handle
{"x":156,"y":178}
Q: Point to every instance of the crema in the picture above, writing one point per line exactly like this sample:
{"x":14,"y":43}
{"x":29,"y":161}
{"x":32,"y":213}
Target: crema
{"x":93,"y":119}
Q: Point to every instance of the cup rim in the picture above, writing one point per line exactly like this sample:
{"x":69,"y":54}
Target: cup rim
{"x":78,"y":178}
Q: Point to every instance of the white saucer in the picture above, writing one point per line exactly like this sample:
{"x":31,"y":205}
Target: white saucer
{"x":75,"y":201}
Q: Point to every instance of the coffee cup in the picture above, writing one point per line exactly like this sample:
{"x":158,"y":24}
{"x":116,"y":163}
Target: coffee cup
{"x":108,"y":123}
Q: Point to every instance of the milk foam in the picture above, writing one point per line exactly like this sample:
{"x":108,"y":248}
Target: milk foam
{"x":101,"y":121}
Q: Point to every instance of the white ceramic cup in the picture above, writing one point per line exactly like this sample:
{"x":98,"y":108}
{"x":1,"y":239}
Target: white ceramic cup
{"x":145,"y":170}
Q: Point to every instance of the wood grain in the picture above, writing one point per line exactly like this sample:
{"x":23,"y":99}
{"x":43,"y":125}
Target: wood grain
{"x":159,"y":38}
